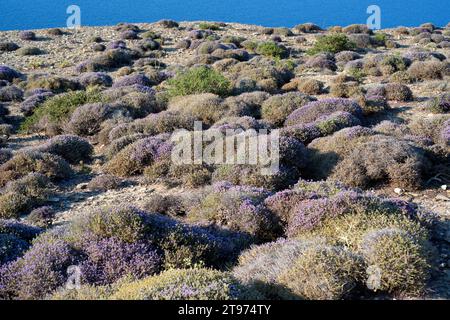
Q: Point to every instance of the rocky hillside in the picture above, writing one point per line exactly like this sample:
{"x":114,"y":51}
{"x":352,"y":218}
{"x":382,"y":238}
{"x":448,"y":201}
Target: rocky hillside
{"x":360,"y":208}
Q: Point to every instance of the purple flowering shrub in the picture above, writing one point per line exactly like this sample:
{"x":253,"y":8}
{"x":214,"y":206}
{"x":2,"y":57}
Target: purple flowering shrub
{"x":129,"y":35}
{"x":239,"y":208}
{"x":105,"y":182}
{"x":325,"y":125}
{"x":20,"y":230}
{"x":314,"y":110}
{"x":27,"y":35}
{"x":180,"y":245}
{"x":336,"y":121}
{"x":250,"y":175}
{"x":86,"y":119}
{"x":95,"y":79}
{"x":8,"y":74}
{"x":5,"y":155}
{"x":42,"y":269}
{"x":345,"y":218}
{"x":24,"y":162}
{"x":283,"y":202}
{"x":108,"y":260}
{"x":115,"y":57}
{"x":309,"y":214}
{"x":445,"y":133}
{"x":11,"y":247}
{"x":33,"y":101}
{"x":71,"y":148}
{"x":135,"y":79}
{"x":188,"y":284}
{"x":117,"y":44}
{"x":320,"y":62}
{"x":439,"y":104}
{"x":135,"y":157}
{"x":292,"y":152}
{"x":305,"y":133}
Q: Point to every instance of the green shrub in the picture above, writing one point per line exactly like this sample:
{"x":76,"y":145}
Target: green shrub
{"x":271,"y":49}
{"x":58,"y":109}
{"x":333,"y":43}
{"x":199,"y":80}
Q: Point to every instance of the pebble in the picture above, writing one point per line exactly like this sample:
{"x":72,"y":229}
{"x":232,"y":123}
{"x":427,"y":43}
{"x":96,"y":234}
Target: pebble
{"x":398,"y":191}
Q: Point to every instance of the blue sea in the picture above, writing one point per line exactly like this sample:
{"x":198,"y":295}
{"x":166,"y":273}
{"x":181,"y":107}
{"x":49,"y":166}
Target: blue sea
{"x":35,"y":14}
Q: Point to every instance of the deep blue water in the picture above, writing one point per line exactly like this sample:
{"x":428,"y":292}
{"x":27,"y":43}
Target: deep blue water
{"x":35,"y":14}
